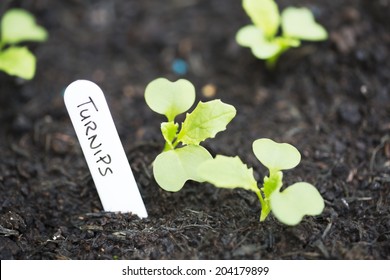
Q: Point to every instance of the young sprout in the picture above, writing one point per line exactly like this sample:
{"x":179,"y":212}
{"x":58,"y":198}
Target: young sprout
{"x":18,"y":25}
{"x":183,"y":153}
{"x":262,"y":36}
{"x":288,"y":206}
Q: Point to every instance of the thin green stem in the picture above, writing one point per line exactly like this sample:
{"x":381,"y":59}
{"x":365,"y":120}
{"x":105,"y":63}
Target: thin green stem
{"x":259,"y":195}
{"x":168,"y":147}
{"x":265,"y":212}
{"x":265,"y":206}
{"x":175,"y":143}
{"x":271,"y":62}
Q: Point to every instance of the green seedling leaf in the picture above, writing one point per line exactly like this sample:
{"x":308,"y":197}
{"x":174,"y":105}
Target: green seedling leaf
{"x":300,"y":23}
{"x":276,"y":156}
{"x":173,"y":168}
{"x":264,"y":14}
{"x":205,"y":121}
{"x":271,"y":184}
{"x":262,"y":37}
{"x":170,"y":98}
{"x":18,"y":25}
{"x":298,"y":200}
{"x":18,"y":61}
{"x":228,"y":172}
{"x":287,"y":42}
{"x":169,"y":131}
{"x":252,"y":37}
{"x":249,"y":36}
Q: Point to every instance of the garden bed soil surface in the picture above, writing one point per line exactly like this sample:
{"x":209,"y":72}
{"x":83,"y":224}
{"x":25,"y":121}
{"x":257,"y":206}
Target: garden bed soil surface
{"x":329,"y":99}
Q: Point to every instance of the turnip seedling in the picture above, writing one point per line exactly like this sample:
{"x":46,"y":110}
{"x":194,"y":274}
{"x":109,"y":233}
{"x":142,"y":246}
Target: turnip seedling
{"x":17,"y":26}
{"x":182,"y":152}
{"x":288,"y":206}
{"x":262,"y":36}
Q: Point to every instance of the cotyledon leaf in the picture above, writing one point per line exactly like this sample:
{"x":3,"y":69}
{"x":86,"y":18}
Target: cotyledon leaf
{"x":276,"y":156}
{"x":252,"y":37}
{"x":170,"y":98}
{"x":18,"y":25}
{"x":173,"y":168}
{"x":18,"y":61}
{"x":296,"y":201}
{"x":264,"y":14}
{"x":300,"y":23}
{"x":228,"y":172}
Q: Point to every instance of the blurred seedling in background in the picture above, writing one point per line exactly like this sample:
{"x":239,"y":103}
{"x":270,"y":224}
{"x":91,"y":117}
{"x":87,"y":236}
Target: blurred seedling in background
{"x":262,"y":37}
{"x":183,"y":153}
{"x":288,"y":206}
{"x":19,"y":26}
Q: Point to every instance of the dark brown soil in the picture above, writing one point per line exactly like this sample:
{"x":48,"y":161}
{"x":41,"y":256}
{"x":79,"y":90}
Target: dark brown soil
{"x":330,"y":99}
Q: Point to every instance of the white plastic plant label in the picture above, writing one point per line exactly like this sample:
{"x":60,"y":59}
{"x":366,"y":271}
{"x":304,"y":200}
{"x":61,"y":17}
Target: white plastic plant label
{"x":102,"y":148}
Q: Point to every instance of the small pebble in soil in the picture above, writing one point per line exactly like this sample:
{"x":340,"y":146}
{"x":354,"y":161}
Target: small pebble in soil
{"x":363,"y":89}
{"x":209,"y":90}
{"x":13,"y":221}
{"x":179,"y":67}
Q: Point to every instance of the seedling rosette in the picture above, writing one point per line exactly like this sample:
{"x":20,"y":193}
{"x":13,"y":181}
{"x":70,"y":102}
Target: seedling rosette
{"x":18,"y":26}
{"x":262,"y":36}
{"x":290,"y":205}
{"x":183,"y":152}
